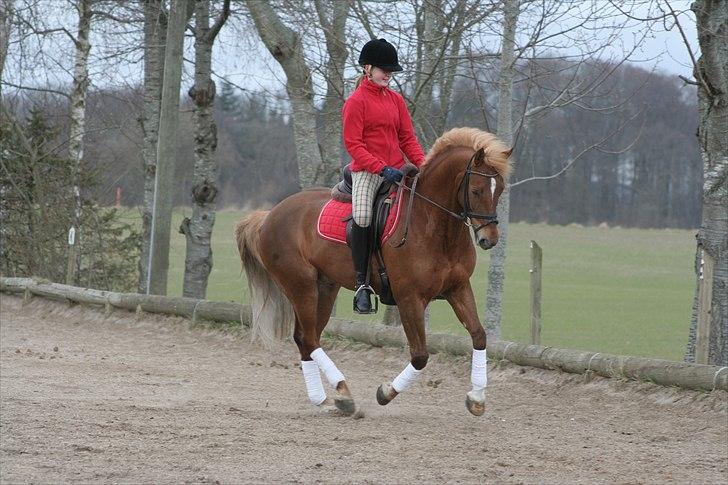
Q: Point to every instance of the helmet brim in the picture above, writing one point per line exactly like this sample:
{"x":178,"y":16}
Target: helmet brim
{"x":386,"y":67}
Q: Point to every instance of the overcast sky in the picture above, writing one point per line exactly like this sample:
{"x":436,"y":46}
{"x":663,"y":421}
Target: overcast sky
{"x":247,"y":63}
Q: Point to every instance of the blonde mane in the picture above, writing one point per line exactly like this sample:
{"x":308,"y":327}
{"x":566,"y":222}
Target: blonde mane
{"x":496,"y":153}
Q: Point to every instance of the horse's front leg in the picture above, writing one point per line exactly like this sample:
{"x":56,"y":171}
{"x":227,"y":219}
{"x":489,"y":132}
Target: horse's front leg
{"x":463,"y":302}
{"x":412,"y":313}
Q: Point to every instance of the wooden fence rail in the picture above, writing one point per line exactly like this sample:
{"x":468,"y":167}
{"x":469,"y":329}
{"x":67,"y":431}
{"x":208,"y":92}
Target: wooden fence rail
{"x":663,"y":372}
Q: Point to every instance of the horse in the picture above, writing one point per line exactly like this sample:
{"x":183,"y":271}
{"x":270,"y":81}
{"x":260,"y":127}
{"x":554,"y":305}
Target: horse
{"x":294,"y":274}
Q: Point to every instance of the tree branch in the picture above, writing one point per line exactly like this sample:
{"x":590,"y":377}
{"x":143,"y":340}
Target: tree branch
{"x":42,"y":90}
{"x":593,"y":146}
{"x":215,"y":29}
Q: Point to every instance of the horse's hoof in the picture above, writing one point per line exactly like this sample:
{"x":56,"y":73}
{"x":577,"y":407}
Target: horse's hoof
{"x":327,"y":407}
{"x":345,"y":405}
{"x":385,"y":393}
{"x":475,"y":402}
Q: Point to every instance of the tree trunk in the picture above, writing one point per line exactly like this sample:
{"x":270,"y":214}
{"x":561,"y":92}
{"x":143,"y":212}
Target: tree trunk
{"x":496,"y":270}
{"x":6,"y":18}
{"x":77,"y":129}
{"x":433,"y":43}
{"x":711,"y":74}
{"x":155,"y":34}
{"x":287,"y":49}
{"x":166,"y":150}
{"x":334,"y":31}
{"x":448,"y":78}
{"x":198,"y":229}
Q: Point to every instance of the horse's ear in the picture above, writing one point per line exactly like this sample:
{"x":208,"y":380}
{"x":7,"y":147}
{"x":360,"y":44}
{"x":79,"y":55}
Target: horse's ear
{"x":479,"y":157}
{"x":508,"y":152}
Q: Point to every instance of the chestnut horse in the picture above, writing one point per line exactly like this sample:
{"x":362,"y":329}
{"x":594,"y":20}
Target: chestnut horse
{"x":295,"y":275}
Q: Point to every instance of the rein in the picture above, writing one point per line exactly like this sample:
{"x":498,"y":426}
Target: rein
{"x":464,"y":216}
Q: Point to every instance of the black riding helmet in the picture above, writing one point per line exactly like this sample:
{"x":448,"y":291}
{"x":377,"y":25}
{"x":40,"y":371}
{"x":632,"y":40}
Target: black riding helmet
{"x":380,"y":53}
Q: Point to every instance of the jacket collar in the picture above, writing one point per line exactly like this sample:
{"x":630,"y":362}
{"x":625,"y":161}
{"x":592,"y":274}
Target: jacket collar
{"x":367,"y":85}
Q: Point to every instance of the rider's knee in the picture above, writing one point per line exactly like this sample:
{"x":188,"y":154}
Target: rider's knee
{"x":362,"y":221}
{"x":419,"y":361}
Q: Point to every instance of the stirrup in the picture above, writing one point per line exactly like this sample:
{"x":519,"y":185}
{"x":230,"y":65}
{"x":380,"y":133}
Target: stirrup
{"x":370,"y":291}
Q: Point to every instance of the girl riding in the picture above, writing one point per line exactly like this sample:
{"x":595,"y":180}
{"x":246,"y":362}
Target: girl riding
{"x":377,"y":129}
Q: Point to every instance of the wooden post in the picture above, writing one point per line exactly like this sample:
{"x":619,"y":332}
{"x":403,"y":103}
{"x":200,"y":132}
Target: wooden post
{"x":535,"y":293}
{"x":705,"y":298}
{"x":72,"y":257}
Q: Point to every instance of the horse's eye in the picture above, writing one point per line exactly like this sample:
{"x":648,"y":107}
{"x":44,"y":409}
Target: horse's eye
{"x":475,"y":192}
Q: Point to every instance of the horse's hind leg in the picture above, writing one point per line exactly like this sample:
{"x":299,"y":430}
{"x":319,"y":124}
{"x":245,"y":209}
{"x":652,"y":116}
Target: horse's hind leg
{"x":327,"y":292}
{"x":312,"y":302}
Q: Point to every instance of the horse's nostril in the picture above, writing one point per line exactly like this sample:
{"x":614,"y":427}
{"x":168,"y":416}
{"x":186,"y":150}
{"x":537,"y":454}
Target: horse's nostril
{"x":485,"y":243}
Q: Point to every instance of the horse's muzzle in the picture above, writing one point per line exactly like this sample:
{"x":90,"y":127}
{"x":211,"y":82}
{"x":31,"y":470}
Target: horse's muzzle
{"x":485,"y":243}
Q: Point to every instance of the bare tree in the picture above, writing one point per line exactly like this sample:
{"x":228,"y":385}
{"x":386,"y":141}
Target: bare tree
{"x":166,"y":149}
{"x":77,"y":129}
{"x":286,"y":47}
{"x":198,"y":228}
{"x":332,"y":16}
{"x":496,"y":270}
{"x":6,"y":19}
{"x":711,"y":78}
{"x":155,"y":34}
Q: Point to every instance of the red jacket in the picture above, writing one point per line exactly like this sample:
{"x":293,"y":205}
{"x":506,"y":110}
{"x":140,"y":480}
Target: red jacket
{"x":376,"y":126}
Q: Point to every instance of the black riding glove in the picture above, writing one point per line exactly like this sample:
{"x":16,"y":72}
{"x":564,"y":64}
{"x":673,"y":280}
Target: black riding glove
{"x":392,"y":174}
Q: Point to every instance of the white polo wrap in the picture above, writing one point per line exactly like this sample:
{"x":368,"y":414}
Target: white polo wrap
{"x":405,"y":378}
{"x":479,"y":371}
{"x":327,"y":366}
{"x":314,"y":386}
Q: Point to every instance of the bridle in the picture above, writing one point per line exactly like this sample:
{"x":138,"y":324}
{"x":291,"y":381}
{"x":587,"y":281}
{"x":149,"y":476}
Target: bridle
{"x":468,"y":213}
{"x":465,"y":215}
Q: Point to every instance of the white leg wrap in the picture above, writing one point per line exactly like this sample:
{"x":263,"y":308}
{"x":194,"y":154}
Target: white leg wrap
{"x":327,"y":366}
{"x":405,"y":378}
{"x":314,"y":386}
{"x":479,"y":371}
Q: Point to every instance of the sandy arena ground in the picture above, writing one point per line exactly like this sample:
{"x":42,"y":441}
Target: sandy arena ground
{"x":88,"y":398}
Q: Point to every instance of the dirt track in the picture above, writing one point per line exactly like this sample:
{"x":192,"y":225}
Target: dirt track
{"x":89,"y":398}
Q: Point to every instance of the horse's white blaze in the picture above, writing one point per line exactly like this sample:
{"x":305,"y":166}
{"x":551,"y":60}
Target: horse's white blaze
{"x":327,"y":366}
{"x":479,"y":370}
{"x":314,"y":386}
{"x":405,"y":378}
{"x":492,"y":187}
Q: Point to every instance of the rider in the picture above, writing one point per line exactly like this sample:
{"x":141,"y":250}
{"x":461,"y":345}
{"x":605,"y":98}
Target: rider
{"x":377,"y":128}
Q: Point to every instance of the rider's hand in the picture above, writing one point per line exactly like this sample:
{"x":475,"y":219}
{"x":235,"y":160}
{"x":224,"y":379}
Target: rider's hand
{"x":392,"y":174}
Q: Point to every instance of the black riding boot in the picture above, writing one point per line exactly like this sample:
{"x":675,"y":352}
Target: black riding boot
{"x":360,"y":254}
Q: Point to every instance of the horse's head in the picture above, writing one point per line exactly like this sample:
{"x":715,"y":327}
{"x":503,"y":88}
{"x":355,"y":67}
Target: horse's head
{"x":477,"y":162}
{"x":481,"y":186}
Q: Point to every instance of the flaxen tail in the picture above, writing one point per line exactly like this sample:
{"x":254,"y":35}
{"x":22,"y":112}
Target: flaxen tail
{"x":273,"y":316}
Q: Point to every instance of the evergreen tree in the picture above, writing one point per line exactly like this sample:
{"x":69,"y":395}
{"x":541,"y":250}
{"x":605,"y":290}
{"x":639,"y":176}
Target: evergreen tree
{"x":36,"y":210}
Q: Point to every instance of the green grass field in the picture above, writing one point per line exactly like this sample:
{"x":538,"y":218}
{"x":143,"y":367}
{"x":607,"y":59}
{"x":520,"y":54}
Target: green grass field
{"x":621,"y":291}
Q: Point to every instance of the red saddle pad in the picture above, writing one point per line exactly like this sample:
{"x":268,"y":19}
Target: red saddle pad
{"x":334,"y":217}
